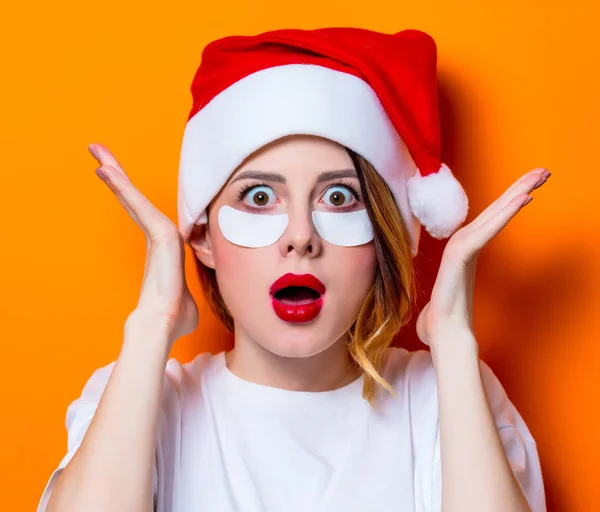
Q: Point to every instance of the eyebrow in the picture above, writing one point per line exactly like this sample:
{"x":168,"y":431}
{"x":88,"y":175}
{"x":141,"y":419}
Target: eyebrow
{"x":278,"y":178}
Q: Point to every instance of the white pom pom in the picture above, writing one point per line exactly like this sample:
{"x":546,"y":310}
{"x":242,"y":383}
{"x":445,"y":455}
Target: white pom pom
{"x":438,"y":201}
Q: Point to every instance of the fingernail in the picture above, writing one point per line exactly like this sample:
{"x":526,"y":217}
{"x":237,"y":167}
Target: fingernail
{"x":541,"y":181}
{"x":101,"y":173}
{"x":528,"y":201}
{"x":93,"y":151}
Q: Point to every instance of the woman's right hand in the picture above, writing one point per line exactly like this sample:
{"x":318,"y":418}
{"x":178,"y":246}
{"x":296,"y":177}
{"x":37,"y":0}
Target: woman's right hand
{"x":165,"y":296}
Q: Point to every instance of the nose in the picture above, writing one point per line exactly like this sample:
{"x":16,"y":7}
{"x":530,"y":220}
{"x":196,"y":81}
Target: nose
{"x":300,"y":235}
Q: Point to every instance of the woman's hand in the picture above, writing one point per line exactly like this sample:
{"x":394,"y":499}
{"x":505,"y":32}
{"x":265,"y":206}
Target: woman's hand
{"x":450,"y":309}
{"x":165,"y":296}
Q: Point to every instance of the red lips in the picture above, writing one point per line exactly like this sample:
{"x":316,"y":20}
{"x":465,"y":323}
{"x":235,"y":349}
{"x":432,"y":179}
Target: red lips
{"x":307,"y":280}
{"x":304,"y":288}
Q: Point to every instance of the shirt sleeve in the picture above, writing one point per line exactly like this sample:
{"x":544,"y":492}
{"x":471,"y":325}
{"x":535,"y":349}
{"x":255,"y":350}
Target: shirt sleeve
{"x":519,"y":446}
{"x":78,"y":418}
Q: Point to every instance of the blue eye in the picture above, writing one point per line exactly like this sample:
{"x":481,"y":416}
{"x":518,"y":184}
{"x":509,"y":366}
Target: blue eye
{"x":258,"y":196}
{"x":338,"y":196}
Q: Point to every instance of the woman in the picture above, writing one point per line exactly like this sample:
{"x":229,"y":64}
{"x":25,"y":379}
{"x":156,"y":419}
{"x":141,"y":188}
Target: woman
{"x":307,"y":168}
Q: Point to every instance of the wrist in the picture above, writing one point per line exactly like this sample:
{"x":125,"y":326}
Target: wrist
{"x":150,"y":326}
{"x":454,"y":345}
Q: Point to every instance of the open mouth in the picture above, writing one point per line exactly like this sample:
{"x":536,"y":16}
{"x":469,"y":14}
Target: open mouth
{"x":297,"y":295}
{"x":297,"y":298}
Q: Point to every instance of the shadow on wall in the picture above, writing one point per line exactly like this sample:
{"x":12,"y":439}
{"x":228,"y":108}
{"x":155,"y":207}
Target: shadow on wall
{"x":517,"y":296}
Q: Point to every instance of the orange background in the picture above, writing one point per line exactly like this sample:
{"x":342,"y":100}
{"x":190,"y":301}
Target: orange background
{"x":518,"y":89}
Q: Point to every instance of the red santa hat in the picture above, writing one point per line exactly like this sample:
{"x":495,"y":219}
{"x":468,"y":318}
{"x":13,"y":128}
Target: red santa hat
{"x":372,"y":92}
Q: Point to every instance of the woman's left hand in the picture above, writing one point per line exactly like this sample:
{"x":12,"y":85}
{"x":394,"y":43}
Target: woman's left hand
{"x":450,"y":308}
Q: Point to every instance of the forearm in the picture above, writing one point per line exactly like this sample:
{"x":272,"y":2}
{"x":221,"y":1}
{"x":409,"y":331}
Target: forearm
{"x":112,"y":469}
{"x":476,"y":475}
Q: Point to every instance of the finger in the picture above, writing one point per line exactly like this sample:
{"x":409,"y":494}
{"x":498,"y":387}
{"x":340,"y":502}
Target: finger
{"x":102,"y":174}
{"x":129,"y":196}
{"x":105,"y":157}
{"x":523,"y":185}
{"x":142,"y":211}
{"x":496,"y":222}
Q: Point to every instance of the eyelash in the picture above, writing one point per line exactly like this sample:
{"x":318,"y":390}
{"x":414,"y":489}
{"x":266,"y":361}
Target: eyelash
{"x":246,"y":188}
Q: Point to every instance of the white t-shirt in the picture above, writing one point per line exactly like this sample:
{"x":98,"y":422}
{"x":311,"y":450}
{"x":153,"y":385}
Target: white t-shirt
{"x":227,"y":444}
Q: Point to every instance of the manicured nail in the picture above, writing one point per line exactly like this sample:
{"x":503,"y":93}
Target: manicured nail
{"x":93,"y":151}
{"x":528,"y":201}
{"x":541,"y":181}
{"x":101,"y":173}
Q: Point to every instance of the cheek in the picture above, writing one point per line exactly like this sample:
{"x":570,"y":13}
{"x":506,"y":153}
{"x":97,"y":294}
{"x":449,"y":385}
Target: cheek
{"x":354,"y":271}
{"x":360,"y":260}
{"x":242,"y":272}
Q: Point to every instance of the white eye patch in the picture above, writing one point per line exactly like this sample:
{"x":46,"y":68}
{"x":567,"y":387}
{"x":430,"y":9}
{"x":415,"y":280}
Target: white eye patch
{"x":260,"y":230}
{"x":251,"y":229}
{"x":345,"y":229}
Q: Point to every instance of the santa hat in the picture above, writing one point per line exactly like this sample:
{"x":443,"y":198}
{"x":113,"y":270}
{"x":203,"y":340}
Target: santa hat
{"x":372,"y":92}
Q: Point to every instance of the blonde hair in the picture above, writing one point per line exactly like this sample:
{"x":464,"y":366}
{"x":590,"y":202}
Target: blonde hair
{"x":390,"y":301}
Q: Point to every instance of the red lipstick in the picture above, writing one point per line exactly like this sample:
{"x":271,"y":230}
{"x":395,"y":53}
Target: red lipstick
{"x":297,"y":297}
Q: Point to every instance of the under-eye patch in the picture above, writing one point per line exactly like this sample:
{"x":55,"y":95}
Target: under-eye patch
{"x":345,"y":229}
{"x":260,"y":230}
{"x":251,"y":229}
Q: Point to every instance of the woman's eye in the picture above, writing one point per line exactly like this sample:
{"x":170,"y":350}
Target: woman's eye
{"x":338,"y":196}
{"x":259,"y":196}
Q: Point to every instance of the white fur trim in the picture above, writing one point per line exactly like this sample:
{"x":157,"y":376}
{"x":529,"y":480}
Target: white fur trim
{"x":438,"y":201}
{"x":285,"y":100}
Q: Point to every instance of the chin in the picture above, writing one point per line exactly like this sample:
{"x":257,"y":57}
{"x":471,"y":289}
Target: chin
{"x":293,"y":339}
{"x":297,"y":345}
{"x":298,"y":339}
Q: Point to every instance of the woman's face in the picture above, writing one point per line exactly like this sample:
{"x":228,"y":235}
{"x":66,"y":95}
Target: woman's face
{"x":298,"y":174}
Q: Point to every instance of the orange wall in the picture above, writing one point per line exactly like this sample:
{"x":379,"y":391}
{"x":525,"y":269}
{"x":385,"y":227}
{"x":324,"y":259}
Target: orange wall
{"x":518,"y":89}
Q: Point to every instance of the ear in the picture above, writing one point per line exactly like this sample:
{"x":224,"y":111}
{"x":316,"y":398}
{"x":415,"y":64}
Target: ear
{"x":200,"y":244}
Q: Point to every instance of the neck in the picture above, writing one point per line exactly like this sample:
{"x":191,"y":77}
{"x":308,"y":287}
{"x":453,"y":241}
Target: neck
{"x":328,"y":370}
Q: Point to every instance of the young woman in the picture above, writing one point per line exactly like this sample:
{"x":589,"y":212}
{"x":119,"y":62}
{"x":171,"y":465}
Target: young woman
{"x":303,"y":186}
